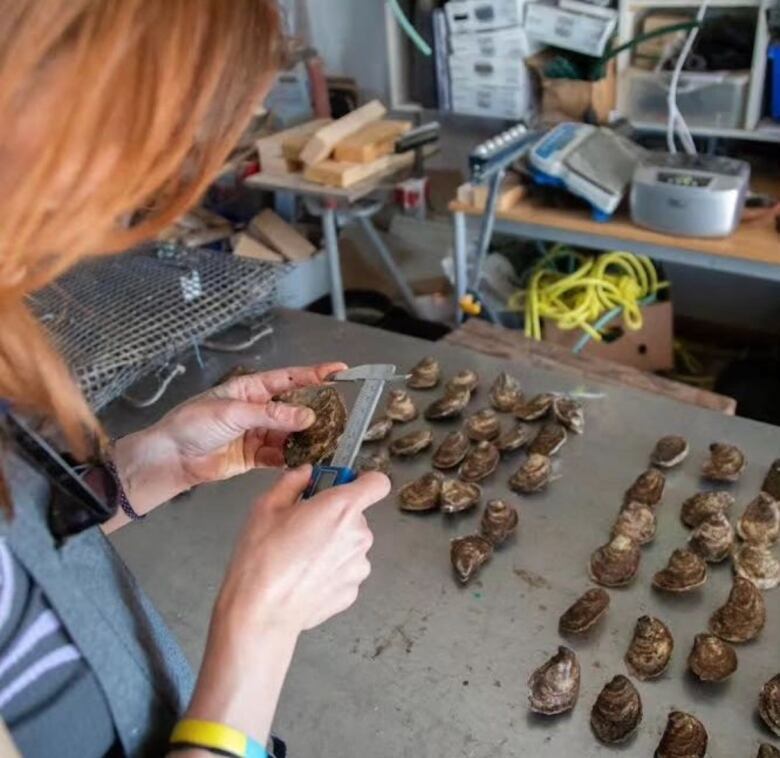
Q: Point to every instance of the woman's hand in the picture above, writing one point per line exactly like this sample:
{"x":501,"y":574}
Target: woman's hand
{"x":226,"y":431}
{"x":295,"y":565}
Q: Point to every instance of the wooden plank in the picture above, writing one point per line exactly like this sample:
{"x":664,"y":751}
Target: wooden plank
{"x":344,"y":175}
{"x":371,"y":142}
{"x":512,"y":345}
{"x":512,"y":192}
{"x":246,"y":246}
{"x":321,"y":144}
{"x":274,"y":231}
{"x":271,"y":147}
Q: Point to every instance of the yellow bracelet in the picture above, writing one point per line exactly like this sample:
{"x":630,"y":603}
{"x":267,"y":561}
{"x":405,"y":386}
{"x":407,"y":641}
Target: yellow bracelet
{"x":218,"y":738}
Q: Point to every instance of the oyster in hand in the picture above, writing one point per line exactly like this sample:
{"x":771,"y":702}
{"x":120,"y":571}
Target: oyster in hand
{"x":569,"y":413}
{"x":760,"y":523}
{"x":515,"y":438}
{"x":483,"y":425}
{"x":535,"y":408}
{"x":669,"y":451}
{"x":584,"y":612}
{"x":725,"y":464}
{"x":685,"y":571}
{"x":452,"y":451}
{"x":412,"y":443}
{"x":616,"y":563}
{"x":769,"y":704}
{"x":480,"y":462}
{"x":712,"y":659}
{"x":378,"y":430}
{"x":549,"y":441}
{"x":449,"y":406}
{"x":702,"y":505}
{"x":713,"y":538}
{"x":468,"y":554}
{"x":554,"y":687}
{"x":425,"y":375}
{"x":636,"y":521}
{"x":319,"y":441}
{"x":684,"y":737}
{"x":533,"y":475}
{"x":457,"y":496}
{"x":756,"y":563}
{"x":651,"y":648}
{"x":743,"y":615}
{"x":617,"y":712}
{"x":505,"y":393}
{"x":467,"y":379}
{"x":648,"y":488}
{"x":422,"y":494}
{"x":498,"y":521}
{"x":400,"y":407}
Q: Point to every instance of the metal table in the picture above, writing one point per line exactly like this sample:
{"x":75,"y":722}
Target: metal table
{"x":422,"y":667}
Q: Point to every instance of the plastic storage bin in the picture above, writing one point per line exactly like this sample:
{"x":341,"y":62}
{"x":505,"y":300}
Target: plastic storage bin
{"x":713,"y":99}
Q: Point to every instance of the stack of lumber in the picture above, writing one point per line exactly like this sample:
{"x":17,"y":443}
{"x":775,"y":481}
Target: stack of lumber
{"x":268,"y":237}
{"x":337,"y":153}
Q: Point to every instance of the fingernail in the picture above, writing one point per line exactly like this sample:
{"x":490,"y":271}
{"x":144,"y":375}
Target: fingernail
{"x":305,"y":416}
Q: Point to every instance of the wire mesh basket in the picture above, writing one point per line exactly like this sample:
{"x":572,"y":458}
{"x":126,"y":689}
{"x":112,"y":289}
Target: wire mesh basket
{"x":117,"y":319}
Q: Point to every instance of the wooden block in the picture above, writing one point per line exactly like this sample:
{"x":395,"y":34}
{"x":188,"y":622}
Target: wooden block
{"x":271,"y":147}
{"x":512,"y":192}
{"x":321,"y":144}
{"x":246,"y":246}
{"x":371,"y":142}
{"x":338,"y":174}
{"x":275,"y":232}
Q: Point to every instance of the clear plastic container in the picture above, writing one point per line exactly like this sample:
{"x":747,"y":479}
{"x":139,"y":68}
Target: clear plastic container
{"x":712,"y":99}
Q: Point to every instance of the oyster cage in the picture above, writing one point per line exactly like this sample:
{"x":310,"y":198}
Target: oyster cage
{"x":119,"y":318}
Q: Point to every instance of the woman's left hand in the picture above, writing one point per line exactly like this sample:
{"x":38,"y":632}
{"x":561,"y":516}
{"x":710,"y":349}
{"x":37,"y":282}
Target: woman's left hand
{"x":228,"y":430}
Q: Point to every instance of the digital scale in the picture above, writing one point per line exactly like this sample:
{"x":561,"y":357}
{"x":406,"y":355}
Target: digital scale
{"x":689,"y":195}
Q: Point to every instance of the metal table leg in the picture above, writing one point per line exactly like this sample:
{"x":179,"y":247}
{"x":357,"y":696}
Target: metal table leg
{"x":459,"y":258}
{"x":330,"y":235}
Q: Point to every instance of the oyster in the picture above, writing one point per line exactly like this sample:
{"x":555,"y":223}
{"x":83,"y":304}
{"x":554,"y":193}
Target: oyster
{"x":374,"y":462}
{"x":467,"y":379}
{"x":424,"y":375}
{"x":648,"y":488}
{"x":760,"y":523}
{"x":535,"y":408}
{"x":412,"y":443}
{"x":459,"y":496}
{"x":480,"y":462}
{"x":765,"y":750}
{"x":483,"y":425}
{"x":702,"y":505}
{"x":769,"y":704}
{"x":498,"y":521}
{"x":449,"y":406}
{"x":554,"y":687}
{"x":468,"y":554}
{"x":617,"y":712}
{"x":515,"y":438}
{"x":533,"y":475}
{"x":743,"y":616}
{"x":400,"y":407}
{"x":711,"y":659}
{"x":636,"y":521}
{"x":616,"y":563}
{"x":684,"y":737}
{"x":651,"y":648}
{"x":725,"y":464}
{"x":505,"y":393}
{"x":713,"y":538}
{"x":771,"y":483}
{"x":422,"y":494}
{"x":685,"y":571}
{"x":318,"y":442}
{"x":378,"y":430}
{"x":584,"y":612}
{"x":669,"y":451}
{"x":569,"y":412}
{"x":452,"y":450}
{"x":757,"y":563}
{"x":549,"y":441}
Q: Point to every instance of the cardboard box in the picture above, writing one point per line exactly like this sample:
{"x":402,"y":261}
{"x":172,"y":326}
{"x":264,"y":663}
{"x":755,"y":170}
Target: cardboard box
{"x":466,"y":16}
{"x":494,"y":102}
{"x":502,"y":43}
{"x":567,"y":29}
{"x":649,"y":349}
{"x":491,"y":72}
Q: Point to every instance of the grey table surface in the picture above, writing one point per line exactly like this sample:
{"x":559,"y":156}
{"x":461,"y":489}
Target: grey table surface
{"x":423,"y":667}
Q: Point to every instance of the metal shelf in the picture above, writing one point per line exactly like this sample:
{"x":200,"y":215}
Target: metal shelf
{"x":759,"y":134}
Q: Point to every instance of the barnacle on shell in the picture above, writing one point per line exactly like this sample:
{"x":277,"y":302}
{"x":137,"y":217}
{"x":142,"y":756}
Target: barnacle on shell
{"x":554,"y":687}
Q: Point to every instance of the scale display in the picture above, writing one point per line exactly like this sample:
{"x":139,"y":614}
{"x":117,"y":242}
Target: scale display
{"x":684,"y":180}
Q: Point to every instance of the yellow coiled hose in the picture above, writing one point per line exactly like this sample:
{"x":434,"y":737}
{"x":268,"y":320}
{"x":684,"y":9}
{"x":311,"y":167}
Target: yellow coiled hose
{"x":596,"y":287}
